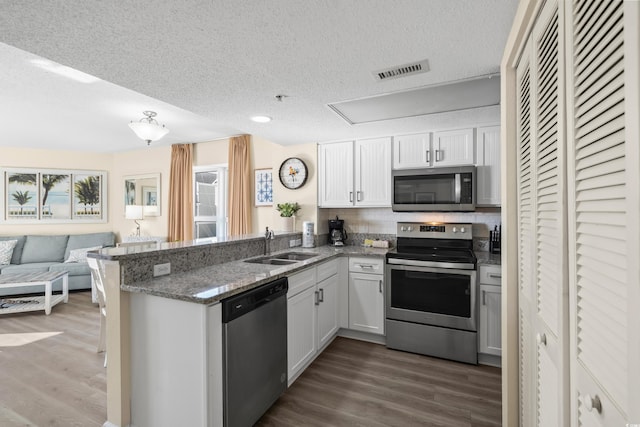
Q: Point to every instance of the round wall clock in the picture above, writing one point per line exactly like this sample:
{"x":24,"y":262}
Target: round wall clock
{"x":293,"y":173}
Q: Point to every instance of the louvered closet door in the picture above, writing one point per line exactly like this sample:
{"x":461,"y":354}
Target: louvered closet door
{"x":543,"y":304}
{"x":598,"y":196}
{"x":551,"y":326}
{"x":526,"y":310}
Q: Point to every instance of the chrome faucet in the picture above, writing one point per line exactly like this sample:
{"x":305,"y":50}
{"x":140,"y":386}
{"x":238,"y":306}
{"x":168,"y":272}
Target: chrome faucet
{"x":268,"y":235}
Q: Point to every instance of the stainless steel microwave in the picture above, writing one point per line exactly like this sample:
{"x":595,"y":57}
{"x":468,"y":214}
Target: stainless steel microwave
{"x":434,"y":189}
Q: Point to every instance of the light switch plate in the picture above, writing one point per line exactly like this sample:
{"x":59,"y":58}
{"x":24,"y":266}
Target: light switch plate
{"x":161,"y":269}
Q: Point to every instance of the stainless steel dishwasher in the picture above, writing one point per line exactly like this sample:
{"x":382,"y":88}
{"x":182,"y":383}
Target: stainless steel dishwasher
{"x":255,"y":352}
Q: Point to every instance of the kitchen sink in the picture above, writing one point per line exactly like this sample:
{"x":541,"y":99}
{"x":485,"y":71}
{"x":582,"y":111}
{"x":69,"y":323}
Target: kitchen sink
{"x":270,"y":261}
{"x":282,"y":259}
{"x":295,"y":256}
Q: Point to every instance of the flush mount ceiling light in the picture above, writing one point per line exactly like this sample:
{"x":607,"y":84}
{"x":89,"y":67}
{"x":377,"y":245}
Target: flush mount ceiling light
{"x":261,"y":119}
{"x":147,"y":128}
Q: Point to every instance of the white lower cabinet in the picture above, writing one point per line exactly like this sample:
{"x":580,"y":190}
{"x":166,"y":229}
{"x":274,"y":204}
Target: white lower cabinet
{"x":366,"y":295}
{"x":327,"y":310}
{"x":312,"y":314}
{"x":301,"y":331}
{"x":490,"y":328}
{"x":490,"y":320}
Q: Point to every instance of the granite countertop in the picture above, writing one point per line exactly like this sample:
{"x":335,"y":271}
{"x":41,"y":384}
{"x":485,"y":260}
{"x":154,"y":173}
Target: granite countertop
{"x":210,"y":284}
{"x":131,"y":252}
{"x":488,"y":258}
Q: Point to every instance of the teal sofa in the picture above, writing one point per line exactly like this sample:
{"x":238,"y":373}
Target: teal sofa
{"x":34,"y":253}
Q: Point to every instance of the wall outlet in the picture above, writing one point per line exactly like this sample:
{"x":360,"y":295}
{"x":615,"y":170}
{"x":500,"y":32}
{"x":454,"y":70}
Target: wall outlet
{"x":161,"y":269}
{"x":298,"y":242}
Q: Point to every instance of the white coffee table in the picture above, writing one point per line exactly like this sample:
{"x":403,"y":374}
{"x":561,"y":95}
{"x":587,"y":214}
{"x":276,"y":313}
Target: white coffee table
{"x":32,"y":303}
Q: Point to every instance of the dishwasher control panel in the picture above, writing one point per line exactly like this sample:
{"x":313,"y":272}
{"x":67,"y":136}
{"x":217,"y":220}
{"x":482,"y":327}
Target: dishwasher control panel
{"x":238,"y":305}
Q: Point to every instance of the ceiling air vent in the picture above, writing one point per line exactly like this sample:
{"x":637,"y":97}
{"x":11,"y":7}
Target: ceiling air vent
{"x":402,"y":71}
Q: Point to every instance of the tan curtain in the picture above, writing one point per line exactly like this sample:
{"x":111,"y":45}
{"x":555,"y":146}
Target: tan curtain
{"x":181,"y":193}
{"x":239,"y":186}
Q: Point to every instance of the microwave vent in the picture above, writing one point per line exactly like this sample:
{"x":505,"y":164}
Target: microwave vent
{"x":402,"y":70}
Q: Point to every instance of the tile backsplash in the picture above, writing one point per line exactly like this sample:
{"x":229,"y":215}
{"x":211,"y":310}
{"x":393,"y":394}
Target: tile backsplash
{"x":383,"y":221}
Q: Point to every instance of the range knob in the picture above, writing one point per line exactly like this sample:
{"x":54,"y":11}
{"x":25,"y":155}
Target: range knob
{"x":454,"y":229}
{"x":403,"y":228}
{"x":462,"y":230}
{"x":409,"y":228}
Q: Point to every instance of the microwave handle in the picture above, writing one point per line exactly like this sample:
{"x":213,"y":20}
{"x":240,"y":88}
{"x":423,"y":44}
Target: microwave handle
{"x":457,"y":188}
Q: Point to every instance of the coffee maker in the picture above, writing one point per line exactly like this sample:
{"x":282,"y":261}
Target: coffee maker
{"x":337,"y":233}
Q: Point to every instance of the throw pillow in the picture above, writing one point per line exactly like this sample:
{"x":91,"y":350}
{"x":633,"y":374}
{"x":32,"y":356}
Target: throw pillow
{"x":80,"y":255}
{"x":6,"y":251}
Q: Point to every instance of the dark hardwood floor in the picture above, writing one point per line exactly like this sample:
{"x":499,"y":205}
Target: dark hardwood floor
{"x":51,"y":375}
{"x":355,"y":383}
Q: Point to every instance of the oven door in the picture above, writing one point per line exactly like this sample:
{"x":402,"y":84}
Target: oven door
{"x":432,"y":296}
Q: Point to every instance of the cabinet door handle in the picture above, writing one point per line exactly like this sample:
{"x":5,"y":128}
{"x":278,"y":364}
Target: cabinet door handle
{"x":380,"y":285}
{"x":317,"y":300}
{"x":359,"y":196}
{"x":428,"y":156}
{"x":438,"y":155}
{"x":495,"y":276}
{"x":350,"y":196}
{"x":321,"y":295}
{"x":484,"y":300}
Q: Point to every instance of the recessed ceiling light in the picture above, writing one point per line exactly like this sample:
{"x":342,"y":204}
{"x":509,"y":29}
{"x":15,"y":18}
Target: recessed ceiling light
{"x":261,"y":119}
{"x":65,"y":71}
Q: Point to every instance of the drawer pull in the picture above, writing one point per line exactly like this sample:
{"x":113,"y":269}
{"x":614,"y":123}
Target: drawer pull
{"x":366,"y":266}
{"x":495,"y":276}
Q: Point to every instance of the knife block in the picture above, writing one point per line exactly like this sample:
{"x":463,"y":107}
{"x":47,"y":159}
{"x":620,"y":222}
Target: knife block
{"x":495,"y":241}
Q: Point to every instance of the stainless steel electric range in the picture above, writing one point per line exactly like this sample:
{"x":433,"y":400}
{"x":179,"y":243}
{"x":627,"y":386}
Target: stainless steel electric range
{"x":431,"y":294}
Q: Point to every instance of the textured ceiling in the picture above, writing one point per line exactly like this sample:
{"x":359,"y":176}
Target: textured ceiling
{"x":210,"y":65}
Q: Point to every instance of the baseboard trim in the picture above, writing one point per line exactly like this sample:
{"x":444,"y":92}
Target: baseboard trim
{"x":490,"y":360}
{"x":362,"y":336}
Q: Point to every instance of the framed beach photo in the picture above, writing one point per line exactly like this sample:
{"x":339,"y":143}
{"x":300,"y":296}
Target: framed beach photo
{"x":34,"y":196}
{"x":55,"y":196}
{"x":263,"y":187}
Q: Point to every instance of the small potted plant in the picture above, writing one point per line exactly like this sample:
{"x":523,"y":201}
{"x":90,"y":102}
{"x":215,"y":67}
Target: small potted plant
{"x":287,"y":212}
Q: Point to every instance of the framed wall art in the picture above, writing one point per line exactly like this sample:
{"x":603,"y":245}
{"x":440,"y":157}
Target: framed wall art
{"x":53,"y":196}
{"x":263,"y":187}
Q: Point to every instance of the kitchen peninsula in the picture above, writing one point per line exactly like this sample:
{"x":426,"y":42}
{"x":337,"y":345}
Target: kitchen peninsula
{"x":164,"y":334}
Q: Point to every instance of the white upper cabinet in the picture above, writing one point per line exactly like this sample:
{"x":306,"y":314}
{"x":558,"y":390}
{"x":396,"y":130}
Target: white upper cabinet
{"x":488,"y":166}
{"x":453,"y":148}
{"x":412,"y":151}
{"x":335,"y":174}
{"x":355,"y":173}
{"x":373,"y":172}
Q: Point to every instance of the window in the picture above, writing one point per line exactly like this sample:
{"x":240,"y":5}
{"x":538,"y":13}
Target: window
{"x":210,"y":201}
